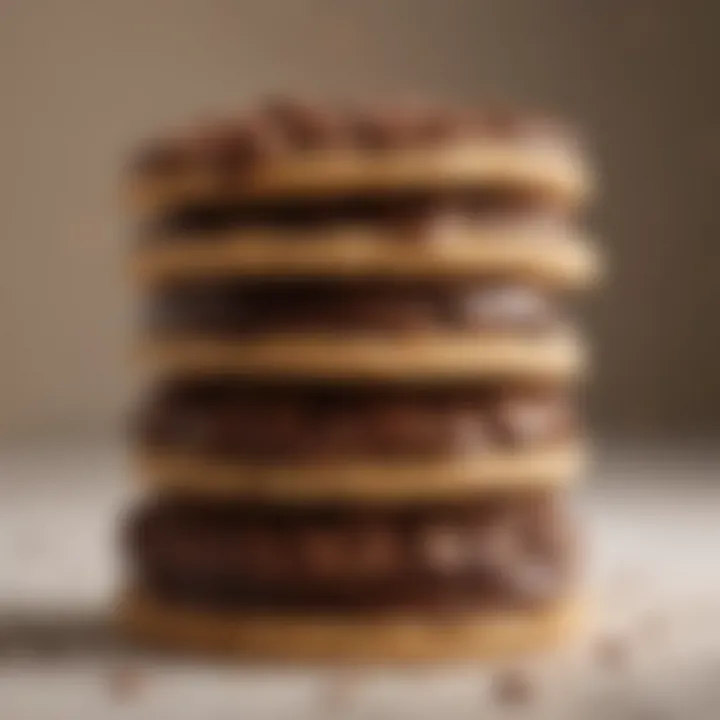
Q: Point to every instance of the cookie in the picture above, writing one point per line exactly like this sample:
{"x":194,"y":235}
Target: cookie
{"x":358,"y":481}
{"x":436,"y":357}
{"x":361,"y":433}
{"x":372,"y":639}
{"x":555,"y":260}
{"x":264,"y":154}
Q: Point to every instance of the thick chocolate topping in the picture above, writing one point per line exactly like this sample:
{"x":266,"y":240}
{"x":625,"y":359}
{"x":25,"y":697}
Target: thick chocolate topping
{"x":276,"y":424}
{"x":244,"y":308}
{"x":281,"y":127}
{"x":509,"y":551}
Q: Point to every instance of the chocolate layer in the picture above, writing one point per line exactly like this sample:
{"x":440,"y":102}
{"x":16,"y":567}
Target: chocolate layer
{"x":280,"y":128}
{"x":496,"y":552}
{"x":243,"y":308}
{"x":401,"y":216}
{"x":233,"y":420}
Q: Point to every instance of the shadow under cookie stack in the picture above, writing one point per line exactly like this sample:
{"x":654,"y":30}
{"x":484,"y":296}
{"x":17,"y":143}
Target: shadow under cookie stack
{"x":362,"y":433}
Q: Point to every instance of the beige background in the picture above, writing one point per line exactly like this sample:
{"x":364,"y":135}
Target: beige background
{"x":80,"y":80}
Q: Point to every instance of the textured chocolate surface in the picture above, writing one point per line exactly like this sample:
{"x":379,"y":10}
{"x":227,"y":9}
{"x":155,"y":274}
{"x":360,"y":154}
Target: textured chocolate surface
{"x":402,"y":216}
{"x":498,"y":552}
{"x":247,"y":308}
{"x":231,"y":146}
{"x":238,"y":421}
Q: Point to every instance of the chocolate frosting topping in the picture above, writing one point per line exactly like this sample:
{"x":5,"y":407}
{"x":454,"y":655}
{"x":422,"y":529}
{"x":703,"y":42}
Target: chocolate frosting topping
{"x":242,"y":308}
{"x":511,"y":551}
{"x":286,"y":125}
{"x":275,"y":425}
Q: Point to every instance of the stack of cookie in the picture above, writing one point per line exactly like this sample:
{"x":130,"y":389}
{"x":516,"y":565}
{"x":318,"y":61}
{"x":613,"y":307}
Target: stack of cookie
{"x":362,"y":430}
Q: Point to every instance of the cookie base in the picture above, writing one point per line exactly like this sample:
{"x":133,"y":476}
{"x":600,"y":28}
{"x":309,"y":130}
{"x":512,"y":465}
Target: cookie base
{"x":374,"y":639}
{"x":570,"y":262}
{"x":438,"y":356}
{"x":364,"y":481}
{"x":552,"y":171}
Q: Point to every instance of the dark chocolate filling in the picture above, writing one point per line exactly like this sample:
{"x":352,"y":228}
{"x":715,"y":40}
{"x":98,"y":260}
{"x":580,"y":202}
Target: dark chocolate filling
{"x":507,"y":551}
{"x":244,"y":308}
{"x":233,"y":420}
{"x":411,"y":216}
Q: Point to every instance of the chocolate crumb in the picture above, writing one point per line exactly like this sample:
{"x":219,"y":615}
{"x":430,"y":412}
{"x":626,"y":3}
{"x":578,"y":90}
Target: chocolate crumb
{"x":125,"y":683}
{"x":514,"y":687}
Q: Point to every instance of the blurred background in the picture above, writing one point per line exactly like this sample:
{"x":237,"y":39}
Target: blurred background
{"x":83,"y":80}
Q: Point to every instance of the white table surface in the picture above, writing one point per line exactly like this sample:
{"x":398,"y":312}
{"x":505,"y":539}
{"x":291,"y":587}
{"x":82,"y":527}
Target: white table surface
{"x":654,"y":651}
